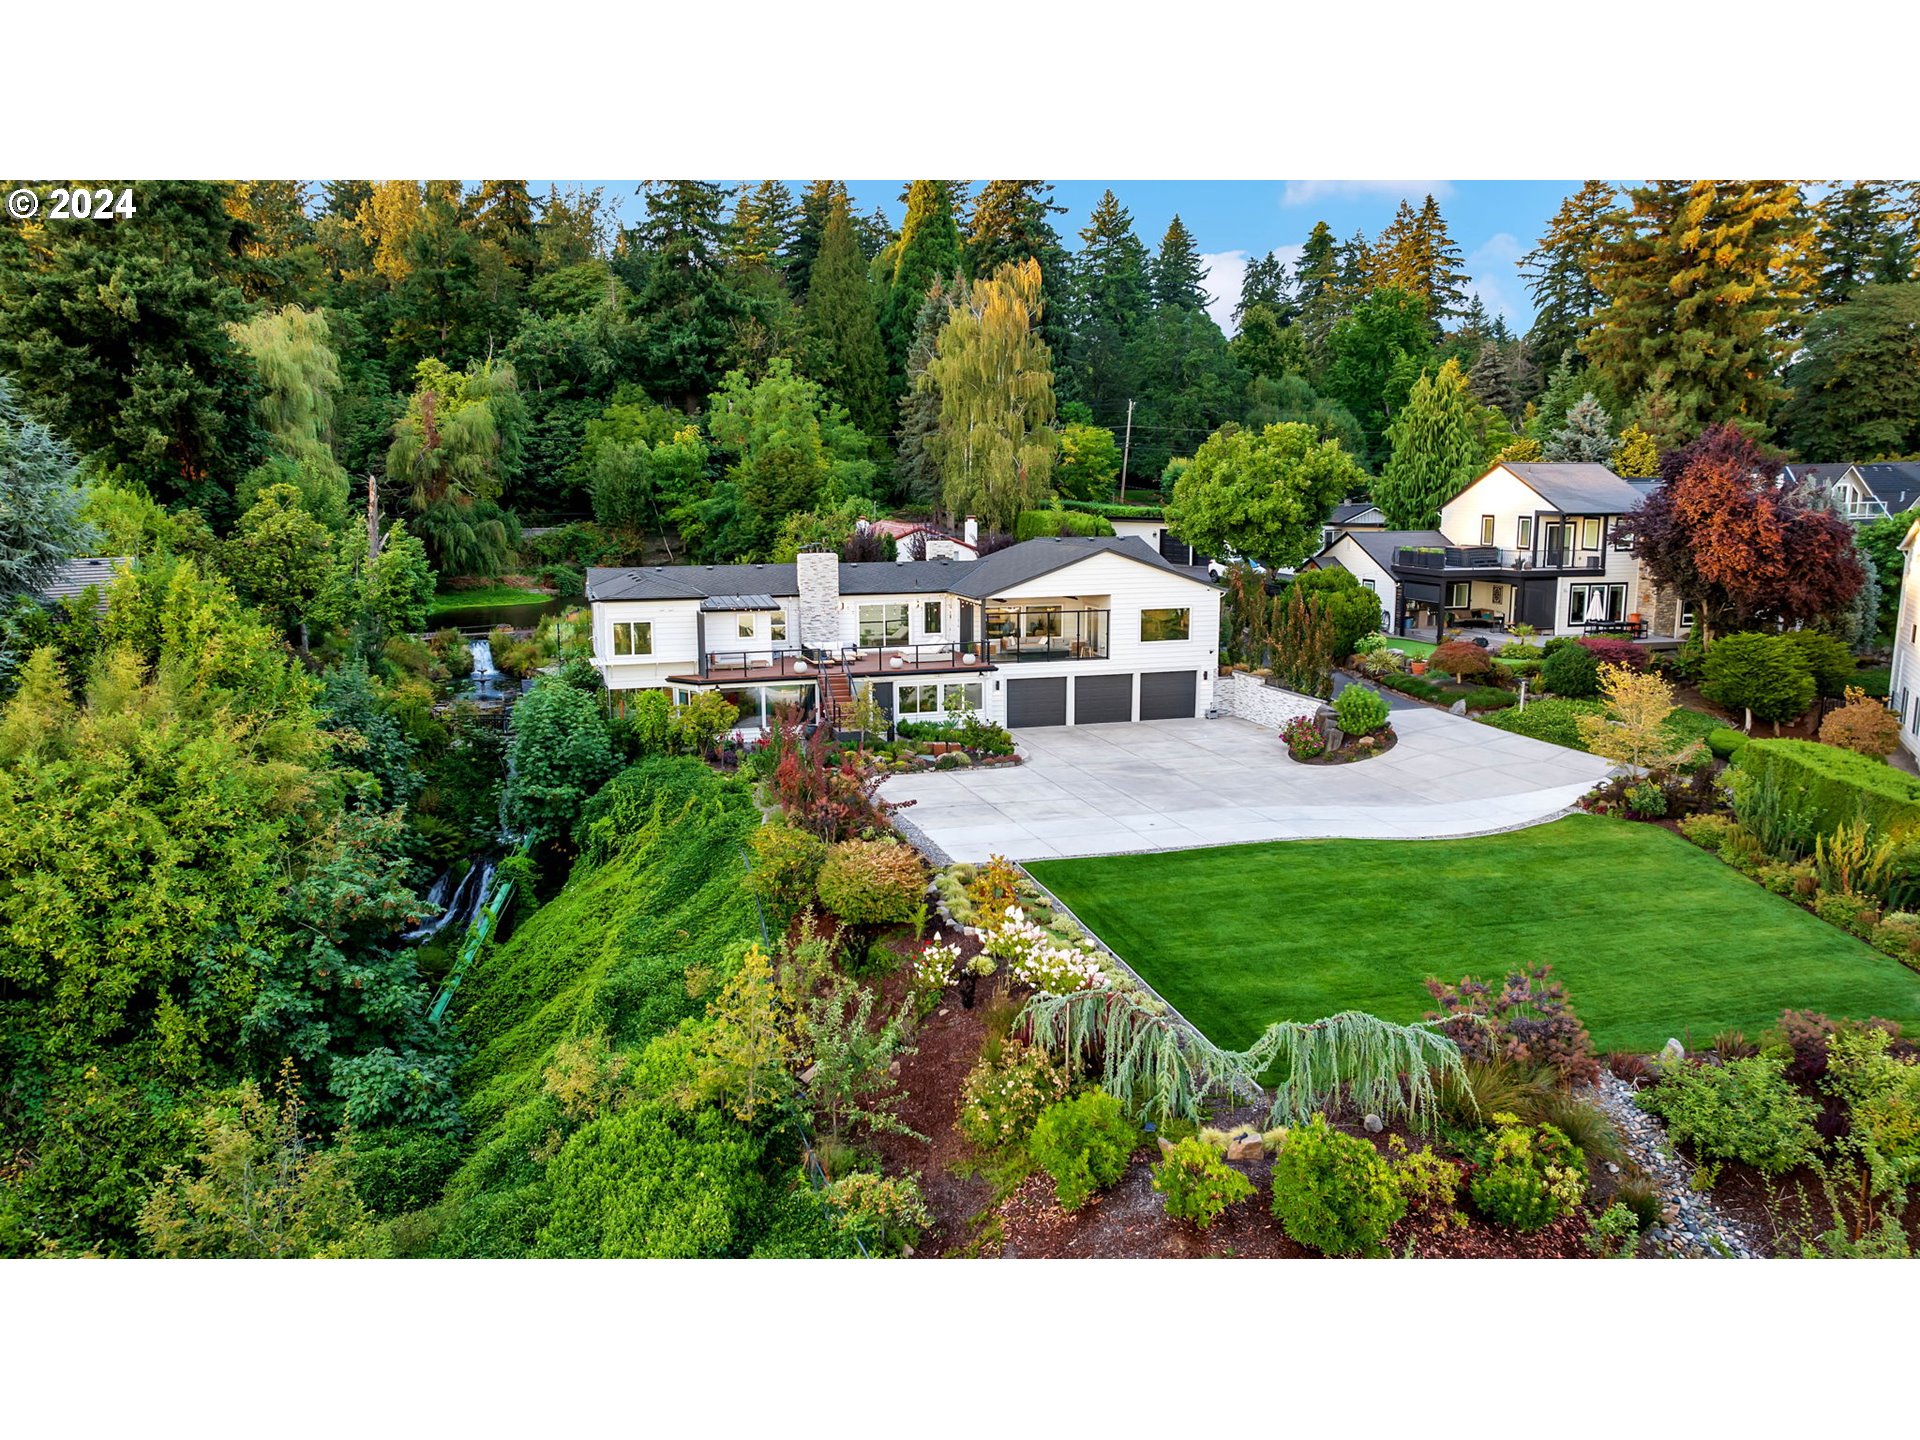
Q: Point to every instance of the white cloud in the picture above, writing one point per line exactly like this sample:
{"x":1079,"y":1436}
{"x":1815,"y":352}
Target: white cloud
{"x":1310,"y":192}
{"x":1224,"y":272}
{"x":1496,"y":278}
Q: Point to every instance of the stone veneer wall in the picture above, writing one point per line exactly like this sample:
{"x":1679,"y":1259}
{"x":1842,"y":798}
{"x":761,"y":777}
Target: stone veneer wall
{"x":1248,"y":697}
{"x":818,"y":576}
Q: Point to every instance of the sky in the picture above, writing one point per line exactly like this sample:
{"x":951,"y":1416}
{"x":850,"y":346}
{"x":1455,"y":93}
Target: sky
{"x":1494,"y":222}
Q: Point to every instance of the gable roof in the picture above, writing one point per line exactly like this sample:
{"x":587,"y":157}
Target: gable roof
{"x":1894,"y":483}
{"x":1353,"y":512}
{"x":706,"y":582}
{"x":76,"y":577}
{"x":1028,"y":561}
{"x":1576,"y":489}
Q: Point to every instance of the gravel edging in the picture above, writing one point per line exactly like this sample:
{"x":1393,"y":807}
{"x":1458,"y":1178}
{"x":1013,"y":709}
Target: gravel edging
{"x":1695,"y":1227}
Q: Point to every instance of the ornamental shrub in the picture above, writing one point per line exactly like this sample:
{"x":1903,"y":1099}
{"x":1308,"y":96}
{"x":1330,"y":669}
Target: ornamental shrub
{"x":1615,"y":652}
{"x":1572,"y":672}
{"x":1826,"y":787}
{"x":1647,"y":800}
{"x":1359,"y":711}
{"x":1723,"y":742}
{"x":1746,"y":1110}
{"x":1303,"y":737}
{"x":1555,"y":721}
{"x":1335,"y":1192}
{"x":1766,"y":674}
{"x":1829,"y":660}
{"x":1003,"y":1096}
{"x":1528,"y":1176}
{"x":1042,"y":524}
{"x":1862,"y":725}
{"x":872,"y":882}
{"x":1083,"y":1143}
{"x":786,"y":865}
{"x":1198,"y":1183}
{"x":1528,"y":1021}
{"x":1460,"y":658}
{"x":886,"y":1212}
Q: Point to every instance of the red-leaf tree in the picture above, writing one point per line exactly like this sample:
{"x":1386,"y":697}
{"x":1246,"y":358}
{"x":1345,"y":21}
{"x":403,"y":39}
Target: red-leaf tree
{"x":1720,"y":531}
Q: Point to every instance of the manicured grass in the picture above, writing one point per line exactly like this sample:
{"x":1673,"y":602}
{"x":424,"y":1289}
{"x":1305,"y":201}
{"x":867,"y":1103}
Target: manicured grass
{"x":1652,"y":936}
{"x":1415,"y":648}
{"x":447,"y":600}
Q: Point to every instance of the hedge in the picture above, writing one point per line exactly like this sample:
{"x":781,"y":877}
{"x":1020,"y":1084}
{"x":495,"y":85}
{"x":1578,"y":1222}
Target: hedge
{"x":1837,"y":785}
{"x":1114,"y":512}
{"x":1040,"y":524}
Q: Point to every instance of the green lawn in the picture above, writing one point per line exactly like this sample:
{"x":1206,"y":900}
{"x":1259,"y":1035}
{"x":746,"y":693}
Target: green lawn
{"x":1418,"y":649}
{"x":1652,"y":936}
{"x":449,"y":600}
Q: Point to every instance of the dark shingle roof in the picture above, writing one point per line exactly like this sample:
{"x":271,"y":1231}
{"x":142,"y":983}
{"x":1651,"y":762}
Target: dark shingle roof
{"x":1026,"y":562}
{"x":76,"y":577}
{"x":1895,"y":483}
{"x":736,"y":603}
{"x":1351,"y":510}
{"x":1578,"y":489}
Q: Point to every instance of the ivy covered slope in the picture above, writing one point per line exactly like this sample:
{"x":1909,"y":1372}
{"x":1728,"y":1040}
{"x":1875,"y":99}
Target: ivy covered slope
{"x":581,"y":1066}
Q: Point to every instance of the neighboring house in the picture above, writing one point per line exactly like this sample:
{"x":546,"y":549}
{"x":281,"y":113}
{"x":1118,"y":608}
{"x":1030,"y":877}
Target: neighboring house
{"x":1533,"y":544}
{"x":1903,"y":688}
{"x":76,"y":577}
{"x":1069,"y":631}
{"x":1865,"y":490}
{"x":1351,"y":515}
{"x":933,"y":543}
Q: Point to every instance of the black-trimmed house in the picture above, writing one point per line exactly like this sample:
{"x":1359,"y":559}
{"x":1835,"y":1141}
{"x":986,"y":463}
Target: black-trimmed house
{"x":1069,"y":631}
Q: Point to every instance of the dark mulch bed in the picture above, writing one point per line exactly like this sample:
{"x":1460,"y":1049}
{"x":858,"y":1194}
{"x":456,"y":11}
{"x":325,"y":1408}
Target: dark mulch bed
{"x":1383,"y":741}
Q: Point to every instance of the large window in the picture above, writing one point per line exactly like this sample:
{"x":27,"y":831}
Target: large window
{"x":1595,"y":602}
{"x":930,"y":620}
{"x":755,"y":703}
{"x":632,"y":637}
{"x":930,"y":702}
{"x":1590,"y":534}
{"x":777,"y":627}
{"x":1166,"y":624}
{"x":1523,"y":532}
{"x":882,"y":625}
{"x":1458,"y":594}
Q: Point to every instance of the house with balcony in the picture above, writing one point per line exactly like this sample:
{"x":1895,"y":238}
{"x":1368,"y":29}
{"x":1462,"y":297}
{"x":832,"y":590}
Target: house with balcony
{"x":1861,"y":491}
{"x":1903,"y":685}
{"x":1533,"y":544}
{"x":1066,"y":631}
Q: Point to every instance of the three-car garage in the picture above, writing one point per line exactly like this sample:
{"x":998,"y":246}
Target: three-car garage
{"x":1102,"y":699}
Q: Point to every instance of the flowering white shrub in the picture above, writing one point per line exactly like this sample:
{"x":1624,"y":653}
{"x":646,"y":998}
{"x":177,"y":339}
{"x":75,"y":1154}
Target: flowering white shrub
{"x":932,"y":972}
{"x":1034,"y":956}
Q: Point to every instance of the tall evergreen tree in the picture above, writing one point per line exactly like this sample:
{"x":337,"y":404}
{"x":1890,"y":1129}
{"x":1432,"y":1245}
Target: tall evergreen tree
{"x":1560,"y":269}
{"x":1437,"y":451}
{"x":40,"y":523}
{"x":874,"y":232}
{"x":1265,"y":282}
{"x":764,"y":226}
{"x":1860,"y":240}
{"x":501,"y":213}
{"x":810,"y":227}
{"x":1701,"y":281}
{"x":1112,"y":304}
{"x":844,"y":350}
{"x":686,"y":305}
{"x":916,"y":468}
{"x":1856,"y":385}
{"x":1179,"y":279}
{"x":1010,"y":223}
{"x":1491,"y":380}
{"x":929,"y":249}
{"x":117,"y":334}
{"x":1316,"y":283}
{"x":1416,"y":254}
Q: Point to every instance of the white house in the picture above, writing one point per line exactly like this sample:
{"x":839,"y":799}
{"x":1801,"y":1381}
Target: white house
{"x":1862,"y":491}
{"x":1536,"y":544}
{"x":1903,"y":689}
{"x":1068,"y":631}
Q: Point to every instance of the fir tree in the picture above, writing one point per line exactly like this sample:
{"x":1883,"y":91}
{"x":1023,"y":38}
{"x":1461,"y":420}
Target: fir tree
{"x":928,"y":249}
{"x":1112,"y":303}
{"x":687,"y":306}
{"x":1010,"y":222}
{"x":40,"y":525}
{"x":1701,"y":280}
{"x":1491,"y":381}
{"x":1564,"y":388}
{"x":842,"y":325}
{"x":1179,"y":279}
{"x":501,"y":213}
{"x":1265,"y":283}
{"x":1636,"y":457}
{"x":1316,"y":283}
{"x":810,"y":225}
{"x":1560,"y":269}
{"x":1585,"y":438}
{"x":916,"y":468}
{"x":1856,"y":385}
{"x":1437,"y":450}
{"x":1860,"y":240}
{"x":874,"y":232}
{"x":765,"y":224}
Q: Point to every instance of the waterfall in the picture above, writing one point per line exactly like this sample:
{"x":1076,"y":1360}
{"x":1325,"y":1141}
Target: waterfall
{"x":487,"y":681}
{"x":461,"y":906}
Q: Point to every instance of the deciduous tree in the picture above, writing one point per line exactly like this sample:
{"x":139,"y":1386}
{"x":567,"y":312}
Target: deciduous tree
{"x":1262,"y":494}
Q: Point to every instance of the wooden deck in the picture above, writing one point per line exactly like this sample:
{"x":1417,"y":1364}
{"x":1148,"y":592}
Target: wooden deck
{"x":778,"y":669}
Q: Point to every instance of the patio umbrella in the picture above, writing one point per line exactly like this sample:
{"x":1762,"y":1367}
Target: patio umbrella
{"x":1596,"y":604}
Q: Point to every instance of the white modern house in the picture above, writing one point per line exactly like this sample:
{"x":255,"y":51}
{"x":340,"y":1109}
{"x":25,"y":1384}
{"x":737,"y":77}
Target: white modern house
{"x":1903,"y":688}
{"x":1861,"y":490}
{"x":1535,"y":544}
{"x":1068,"y":631}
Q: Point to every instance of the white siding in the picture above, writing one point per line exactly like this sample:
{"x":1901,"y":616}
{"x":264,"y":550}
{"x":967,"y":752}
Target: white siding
{"x":1499,"y":493}
{"x":1904,"y":689}
{"x":1348,"y":552}
{"x":675,"y":647}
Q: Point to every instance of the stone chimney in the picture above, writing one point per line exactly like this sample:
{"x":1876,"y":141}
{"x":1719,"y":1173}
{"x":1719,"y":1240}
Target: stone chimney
{"x":972,"y":533}
{"x":818,"y":575}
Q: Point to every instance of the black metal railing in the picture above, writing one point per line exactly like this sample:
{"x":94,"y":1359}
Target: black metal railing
{"x":1571,"y":560}
{"x":771,"y":657}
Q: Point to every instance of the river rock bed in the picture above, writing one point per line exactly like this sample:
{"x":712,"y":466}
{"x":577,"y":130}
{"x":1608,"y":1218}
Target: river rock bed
{"x":1694,"y":1226}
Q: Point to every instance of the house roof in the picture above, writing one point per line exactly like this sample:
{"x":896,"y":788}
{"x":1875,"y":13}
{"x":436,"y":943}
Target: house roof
{"x":1379,"y":545}
{"x":1026,"y":562}
{"x":1895,"y":483}
{"x":76,"y":577}
{"x":1351,"y":511}
{"x":1577,"y":489}
{"x":710,"y":582}
{"x":736,"y":603}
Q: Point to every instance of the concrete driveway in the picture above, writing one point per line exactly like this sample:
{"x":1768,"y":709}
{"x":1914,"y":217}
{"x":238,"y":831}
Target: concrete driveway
{"x":1176,"y":784}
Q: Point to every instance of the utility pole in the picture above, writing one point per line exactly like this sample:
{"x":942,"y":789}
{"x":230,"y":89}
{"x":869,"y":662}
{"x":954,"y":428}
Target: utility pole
{"x":1126,"y":451}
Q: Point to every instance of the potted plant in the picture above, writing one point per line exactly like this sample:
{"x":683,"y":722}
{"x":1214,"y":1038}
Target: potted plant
{"x":1418,"y":667}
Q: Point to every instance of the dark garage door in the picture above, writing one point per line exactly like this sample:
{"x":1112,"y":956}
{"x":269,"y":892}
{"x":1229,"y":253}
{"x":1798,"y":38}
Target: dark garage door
{"x":1037,"y":702}
{"x":1102,"y":699}
{"x":1168,"y":695}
